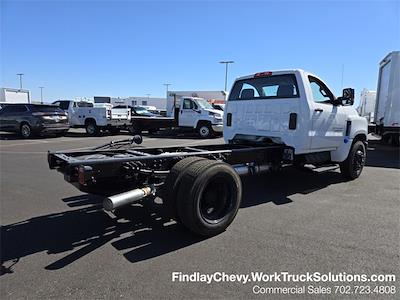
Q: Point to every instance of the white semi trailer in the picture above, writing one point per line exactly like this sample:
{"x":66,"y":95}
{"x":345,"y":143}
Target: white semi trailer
{"x":387,"y":108}
{"x":10,"y":95}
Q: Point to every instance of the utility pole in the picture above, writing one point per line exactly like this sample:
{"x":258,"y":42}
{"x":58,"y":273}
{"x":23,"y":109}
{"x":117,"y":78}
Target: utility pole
{"x":41,"y":94}
{"x":20,"y":80}
{"x":226,"y":62}
{"x":167,"y":85}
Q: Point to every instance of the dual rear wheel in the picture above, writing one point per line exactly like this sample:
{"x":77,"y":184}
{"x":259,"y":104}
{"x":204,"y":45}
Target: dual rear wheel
{"x":203,"y":194}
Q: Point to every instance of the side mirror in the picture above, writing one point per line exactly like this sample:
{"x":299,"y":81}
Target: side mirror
{"x":347,"y":97}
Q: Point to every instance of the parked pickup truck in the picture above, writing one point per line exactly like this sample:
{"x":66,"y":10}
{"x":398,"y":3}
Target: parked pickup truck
{"x":84,"y":114}
{"x":273,"y":120}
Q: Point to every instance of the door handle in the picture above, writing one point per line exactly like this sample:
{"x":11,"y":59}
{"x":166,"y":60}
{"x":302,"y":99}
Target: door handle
{"x":318,"y":110}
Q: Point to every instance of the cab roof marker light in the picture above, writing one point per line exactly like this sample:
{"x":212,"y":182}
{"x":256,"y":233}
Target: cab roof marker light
{"x":262,"y":74}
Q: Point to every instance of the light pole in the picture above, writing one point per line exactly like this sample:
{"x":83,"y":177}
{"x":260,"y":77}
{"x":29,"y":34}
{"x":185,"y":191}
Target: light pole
{"x":20,"y":80}
{"x":41,"y":94}
{"x":226,"y":62}
{"x":167,"y":85}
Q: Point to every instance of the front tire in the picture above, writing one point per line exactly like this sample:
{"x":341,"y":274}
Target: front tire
{"x":26,"y":131}
{"x":352,"y":167}
{"x":205,"y":131}
{"x":209,"y":197}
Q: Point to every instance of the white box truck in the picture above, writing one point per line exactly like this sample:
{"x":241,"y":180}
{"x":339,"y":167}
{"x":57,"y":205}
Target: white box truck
{"x":10,"y":95}
{"x":387,"y":108}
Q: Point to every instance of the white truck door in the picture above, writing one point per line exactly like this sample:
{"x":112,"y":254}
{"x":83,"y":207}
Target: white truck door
{"x":187,"y":115}
{"x":73,"y":114}
{"x":327,"y":120}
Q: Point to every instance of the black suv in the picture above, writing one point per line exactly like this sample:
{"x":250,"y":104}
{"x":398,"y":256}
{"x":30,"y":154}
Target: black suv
{"x":30,"y":119}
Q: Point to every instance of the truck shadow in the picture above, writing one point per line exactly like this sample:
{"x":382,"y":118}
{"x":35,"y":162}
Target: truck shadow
{"x":383,"y":156}
{"x":139,"y":232}
{"x":86,"y":229}
{"x":278,"y":187}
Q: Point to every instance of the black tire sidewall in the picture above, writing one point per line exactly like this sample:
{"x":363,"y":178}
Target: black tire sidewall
{"x":208,"y":128}
{"x":29,"y":128}
{"x":189,"y":201}
{"x":347,"y":167}
{"x":95,"y":129}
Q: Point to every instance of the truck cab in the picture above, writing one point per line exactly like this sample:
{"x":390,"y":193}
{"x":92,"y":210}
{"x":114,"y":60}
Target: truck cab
{"x":297,"y":109}
{"x":198,"y":113}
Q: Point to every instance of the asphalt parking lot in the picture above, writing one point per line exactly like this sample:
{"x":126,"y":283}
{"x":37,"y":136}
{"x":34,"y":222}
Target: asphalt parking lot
{"x":56,"y":242}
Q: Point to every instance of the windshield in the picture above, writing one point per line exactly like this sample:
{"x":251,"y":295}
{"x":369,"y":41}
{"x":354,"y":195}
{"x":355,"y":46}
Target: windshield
{"x":204,"y":104}
{"x":142,"y":111}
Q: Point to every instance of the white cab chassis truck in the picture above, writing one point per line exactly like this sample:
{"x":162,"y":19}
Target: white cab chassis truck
{"x":273,"y":120}
{"x":195,"y":112}
{"x":95,"y":117}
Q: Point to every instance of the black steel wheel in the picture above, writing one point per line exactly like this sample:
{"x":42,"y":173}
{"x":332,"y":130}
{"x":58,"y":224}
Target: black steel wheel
{"x":352,"y":167}
{"x":209,"y":197}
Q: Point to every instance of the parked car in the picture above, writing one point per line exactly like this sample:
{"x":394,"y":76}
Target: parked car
{"x":31,"y":119}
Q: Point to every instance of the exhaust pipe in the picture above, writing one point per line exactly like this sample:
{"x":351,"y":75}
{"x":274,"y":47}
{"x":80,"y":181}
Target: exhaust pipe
{"x":251,"y":169}
{"x":126,"y":198}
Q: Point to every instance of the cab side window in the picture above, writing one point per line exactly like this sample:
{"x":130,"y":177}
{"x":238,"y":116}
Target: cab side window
{"x":16,"y":109}
{"x":320,"y":92}
{"x":187,"y":104}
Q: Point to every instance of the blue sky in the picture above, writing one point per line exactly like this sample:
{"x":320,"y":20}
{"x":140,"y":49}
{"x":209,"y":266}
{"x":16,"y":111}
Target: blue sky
{"x":130,"y":48}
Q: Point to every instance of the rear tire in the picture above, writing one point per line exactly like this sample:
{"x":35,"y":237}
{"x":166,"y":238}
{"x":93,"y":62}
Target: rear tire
{"x":172,"y":182}
{"x":209,"y":197}
{"x":92,"y":129}
{"x":352,"y":167}
{"x":26,"y":131}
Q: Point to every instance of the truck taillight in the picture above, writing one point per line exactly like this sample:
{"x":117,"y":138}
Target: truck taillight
{"x":81,"y":175}
{"x":84,"y":173}
{"x":262,"y":74}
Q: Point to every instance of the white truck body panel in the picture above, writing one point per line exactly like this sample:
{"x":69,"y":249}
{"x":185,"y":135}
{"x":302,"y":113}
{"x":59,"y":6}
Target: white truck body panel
{"x":367,"y":105}
{"x":320,"y":126}
{"x":103,"y":114}
{"x":173,"y":98}
{"x":192,"y":117}
{"x":9,"y":95}
{"x":387,"y":111}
